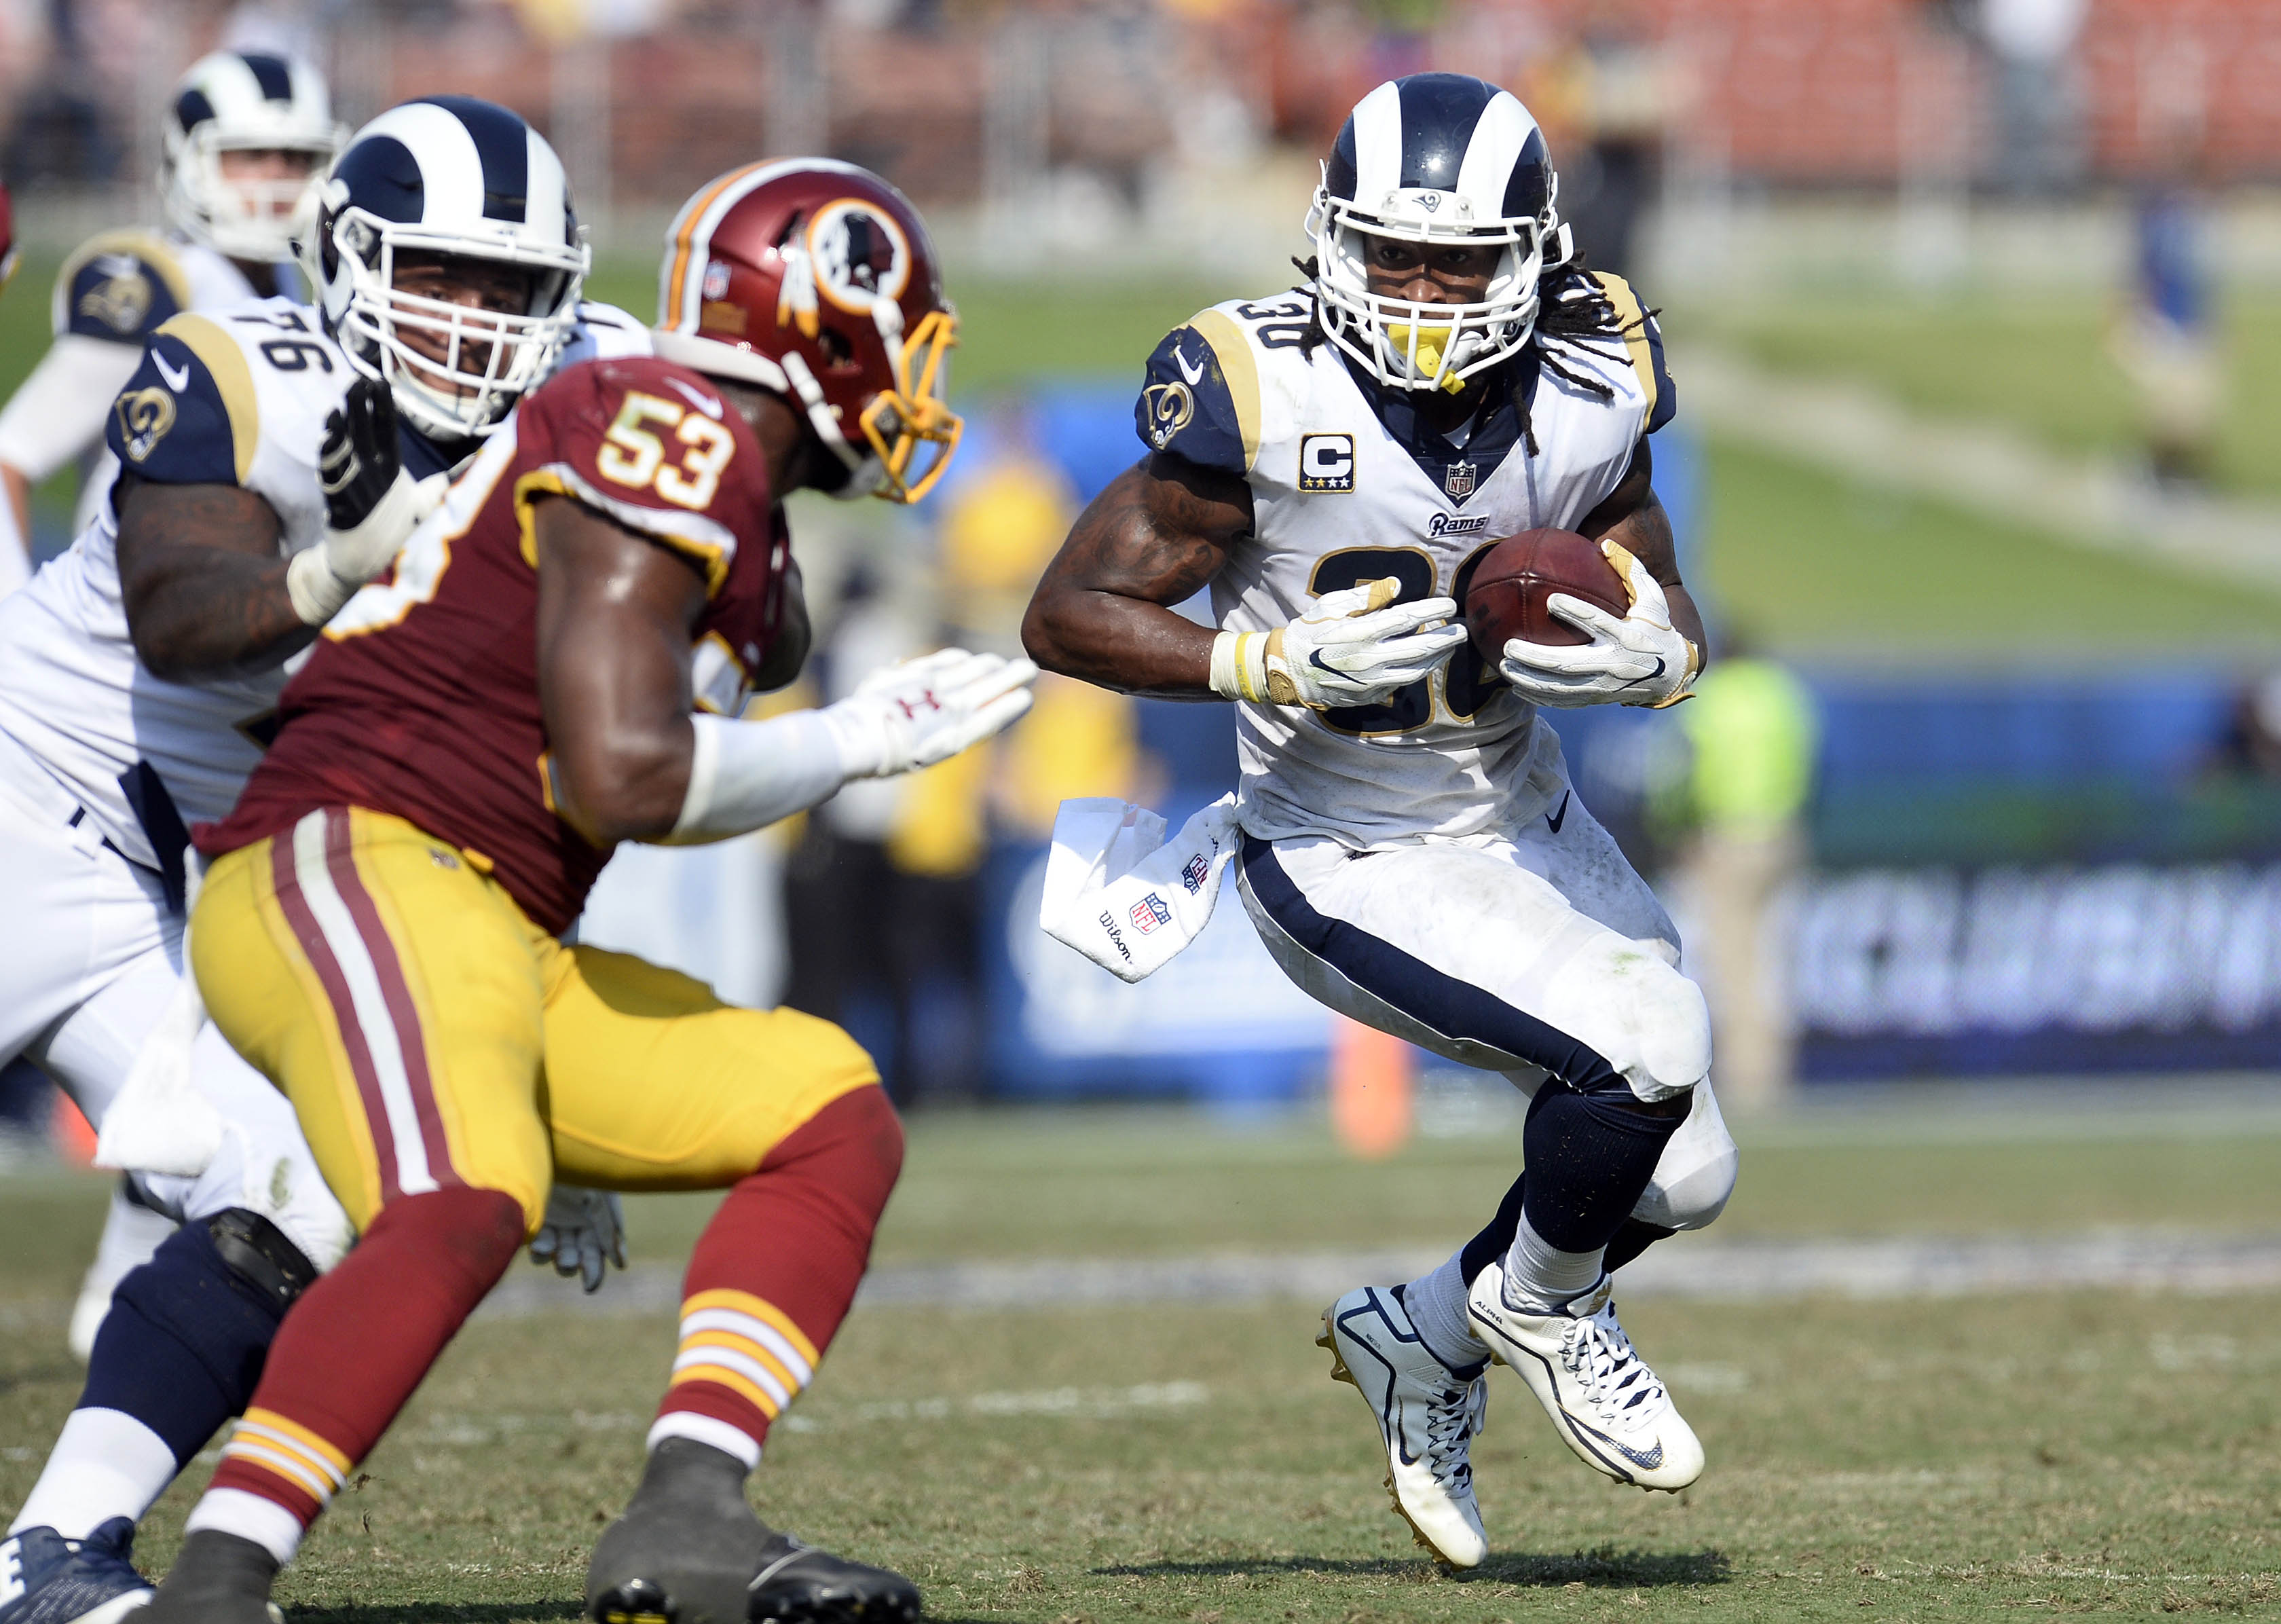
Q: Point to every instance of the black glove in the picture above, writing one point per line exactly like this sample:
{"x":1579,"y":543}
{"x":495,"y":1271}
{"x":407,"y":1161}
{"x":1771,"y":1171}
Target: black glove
{"x":360,"y":458}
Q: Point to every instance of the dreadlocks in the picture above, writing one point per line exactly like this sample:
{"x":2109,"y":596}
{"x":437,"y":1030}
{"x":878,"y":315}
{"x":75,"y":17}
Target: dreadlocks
{"x":1574,"y":312}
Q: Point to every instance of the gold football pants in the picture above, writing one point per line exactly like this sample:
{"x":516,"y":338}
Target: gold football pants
{"x":428,"y":1034}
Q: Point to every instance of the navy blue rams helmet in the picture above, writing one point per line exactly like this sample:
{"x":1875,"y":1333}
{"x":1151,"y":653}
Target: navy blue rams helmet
{"x":1434,"y":158}
{"x":447,"y":177}
{"x":245,"y":101}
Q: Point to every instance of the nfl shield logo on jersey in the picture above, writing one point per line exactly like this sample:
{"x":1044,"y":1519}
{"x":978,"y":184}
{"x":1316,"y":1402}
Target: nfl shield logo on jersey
{"x":1458,"y":482}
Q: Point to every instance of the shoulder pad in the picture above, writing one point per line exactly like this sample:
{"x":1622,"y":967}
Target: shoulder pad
{"x":604,"y":333}
{"x":121,"y":287}
{"x":1643,"y":339}
{"x":652,"y":445}
{"x":187,"y":416}
{"x":1203,"y":391}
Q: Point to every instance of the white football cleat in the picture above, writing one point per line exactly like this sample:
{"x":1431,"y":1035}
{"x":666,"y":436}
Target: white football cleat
{"x":1605,"y":1402}
{"x":1426,"y":1415}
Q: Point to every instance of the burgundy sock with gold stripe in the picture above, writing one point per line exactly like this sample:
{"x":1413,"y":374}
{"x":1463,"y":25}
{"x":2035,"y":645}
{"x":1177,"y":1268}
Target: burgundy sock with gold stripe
{"x":349,"y":1355}
{"x":774,"y":1273}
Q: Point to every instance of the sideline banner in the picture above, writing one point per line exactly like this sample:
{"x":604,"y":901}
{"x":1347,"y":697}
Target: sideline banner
{"x":2110,"y":967}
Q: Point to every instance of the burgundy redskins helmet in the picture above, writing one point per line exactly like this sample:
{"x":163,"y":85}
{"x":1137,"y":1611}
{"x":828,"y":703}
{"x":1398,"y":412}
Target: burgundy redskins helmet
{"x":815,"y":278}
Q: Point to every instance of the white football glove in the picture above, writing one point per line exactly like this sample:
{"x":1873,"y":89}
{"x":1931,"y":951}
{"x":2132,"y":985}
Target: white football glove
{"x":1639,"y":660}
{"x":926,"y":710}
{"x":1356,"y":646}
{"x":582,"y":1229}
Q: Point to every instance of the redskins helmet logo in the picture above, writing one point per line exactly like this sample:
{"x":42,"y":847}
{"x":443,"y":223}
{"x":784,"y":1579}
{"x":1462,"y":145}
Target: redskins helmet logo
{"x":861,"y":255}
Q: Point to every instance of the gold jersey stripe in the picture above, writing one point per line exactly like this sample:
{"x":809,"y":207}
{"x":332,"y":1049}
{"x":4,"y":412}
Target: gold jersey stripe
{"x":226,"y":362}
{"x":1633,"y":321}
{"x":1218,"y":329}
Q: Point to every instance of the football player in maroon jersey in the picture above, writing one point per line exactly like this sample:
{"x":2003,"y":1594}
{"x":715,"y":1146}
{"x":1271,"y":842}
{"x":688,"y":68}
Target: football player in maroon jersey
{"x":556,"y":663}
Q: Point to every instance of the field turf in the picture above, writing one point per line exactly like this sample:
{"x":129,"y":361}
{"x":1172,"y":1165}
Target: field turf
{"x":1982,"y":1458}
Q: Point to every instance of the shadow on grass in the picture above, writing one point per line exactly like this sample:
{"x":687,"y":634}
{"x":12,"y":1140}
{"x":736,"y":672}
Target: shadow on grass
{"x":441,"y":1612}
{"x":1605,"y":1568}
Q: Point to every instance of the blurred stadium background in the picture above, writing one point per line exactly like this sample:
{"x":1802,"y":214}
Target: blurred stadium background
{"x":1974,"y":307}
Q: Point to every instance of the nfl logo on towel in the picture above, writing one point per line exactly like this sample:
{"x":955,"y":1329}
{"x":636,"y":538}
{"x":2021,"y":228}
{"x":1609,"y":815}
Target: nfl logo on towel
{"x":1193,"y":876}
{"x":1150,"y":912}
{"x":1458,"y":482}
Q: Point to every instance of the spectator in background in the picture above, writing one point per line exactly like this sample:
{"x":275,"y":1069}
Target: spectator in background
{"x":2164,"y":340}
{"x":2039,"y":106}
{"x":883,"y":905}
{"x":1608,"y":96}
{"x":1753,"y":734}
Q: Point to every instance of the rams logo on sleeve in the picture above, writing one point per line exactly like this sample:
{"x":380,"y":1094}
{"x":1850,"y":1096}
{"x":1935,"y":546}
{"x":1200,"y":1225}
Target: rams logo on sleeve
{"x":144,"y":416}
{"x":120,"y":287}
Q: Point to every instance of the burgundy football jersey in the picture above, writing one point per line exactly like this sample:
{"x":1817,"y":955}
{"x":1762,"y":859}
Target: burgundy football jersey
{"x":422,"y":697}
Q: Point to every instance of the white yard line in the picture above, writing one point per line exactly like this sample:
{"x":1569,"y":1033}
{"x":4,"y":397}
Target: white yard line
{"x":1704,"y":1268}
{"x":1986,"y":465}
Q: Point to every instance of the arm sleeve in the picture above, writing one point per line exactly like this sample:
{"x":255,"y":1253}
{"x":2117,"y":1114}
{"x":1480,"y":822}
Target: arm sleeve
{"x":1192,"y":402}
{"x":57,"y":416}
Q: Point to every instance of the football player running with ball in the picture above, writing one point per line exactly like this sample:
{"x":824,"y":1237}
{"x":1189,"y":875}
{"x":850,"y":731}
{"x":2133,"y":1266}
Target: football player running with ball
{"x":273,"y":458}
{"x":556,"y":664}
{"x":1333,"y":462}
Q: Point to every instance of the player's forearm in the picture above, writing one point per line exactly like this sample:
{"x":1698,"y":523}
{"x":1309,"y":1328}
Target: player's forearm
{"x":204,"y":590}
{"x":1127,"y":644}
{"x":200,"y":614}
{"x":18,"y":488}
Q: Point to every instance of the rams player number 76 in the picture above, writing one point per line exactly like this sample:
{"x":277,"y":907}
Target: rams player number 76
{"x":1332,"y":462}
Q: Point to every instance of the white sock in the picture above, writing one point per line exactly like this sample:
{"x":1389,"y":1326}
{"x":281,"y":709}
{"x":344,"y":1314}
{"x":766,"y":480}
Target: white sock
{"x":1436,"y":1301}
{"x":704,"y":1429}
{"x":107,"y":1464}
{"x":1538,"y":1274}
{"x":249,"y":1516}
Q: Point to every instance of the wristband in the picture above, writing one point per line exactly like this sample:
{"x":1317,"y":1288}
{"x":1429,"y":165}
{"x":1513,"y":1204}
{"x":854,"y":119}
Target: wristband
{"x":316,"y":592}
{"x":1238,"y":665}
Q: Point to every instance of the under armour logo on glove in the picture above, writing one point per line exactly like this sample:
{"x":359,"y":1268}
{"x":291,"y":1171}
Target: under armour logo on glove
{"x":359,"y":458}
{"x":926,"y":710}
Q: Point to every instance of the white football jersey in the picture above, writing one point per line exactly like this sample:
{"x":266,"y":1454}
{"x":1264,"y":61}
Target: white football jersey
{"x":1347,"y":486}
{"x":238,"y":397}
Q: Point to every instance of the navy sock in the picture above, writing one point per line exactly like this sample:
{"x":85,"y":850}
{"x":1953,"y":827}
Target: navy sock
{"x":183,"y":1344}
{"x":1590,"y":1157}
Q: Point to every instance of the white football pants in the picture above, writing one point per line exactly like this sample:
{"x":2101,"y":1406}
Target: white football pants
{"x":1541,"y":953}
{"x":89,"y":958}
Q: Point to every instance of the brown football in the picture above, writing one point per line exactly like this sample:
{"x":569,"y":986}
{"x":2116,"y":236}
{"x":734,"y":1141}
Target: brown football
{"x":1505,"y":598}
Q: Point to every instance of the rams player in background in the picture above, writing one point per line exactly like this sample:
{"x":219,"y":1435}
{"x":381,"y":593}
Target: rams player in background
{"x":1333,"y":463}
{"x":246,"y":135}
{"x":274,"y":457}
{"x":556,"y":664}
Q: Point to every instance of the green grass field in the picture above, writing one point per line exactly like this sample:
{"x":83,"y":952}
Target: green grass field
{"x":2039,"y":361}
{"x":1977,"y":1458}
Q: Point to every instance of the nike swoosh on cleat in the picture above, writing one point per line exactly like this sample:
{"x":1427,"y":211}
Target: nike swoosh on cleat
{"x":1554,"y":820}
{"x":1646,"y":1462}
